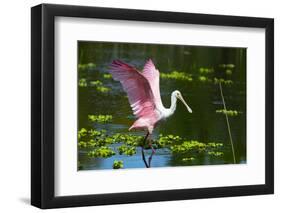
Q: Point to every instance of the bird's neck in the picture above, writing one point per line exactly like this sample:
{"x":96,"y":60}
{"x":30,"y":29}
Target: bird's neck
{"x":173,"y":106}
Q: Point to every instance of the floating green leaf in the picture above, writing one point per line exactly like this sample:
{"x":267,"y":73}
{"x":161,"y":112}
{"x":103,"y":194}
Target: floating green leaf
{"x":214,"y":145}
{"x":130,"y":140}
{"x":228,"y":72}
{"x":194,"y":146}
{"x":230,"y":66}
{"x":100,"y":118}
{"x":117,"y":164}
{"x":104,"y":152}
{"x":82,"y":144}
{"x":82,"y":132}
{"x":202,"y":78}
{"x":187,"y":146}
{"x":99,"y":86}
{"x":206,"y":70}
{"x":127,"y":150}
{"x":177,"y":76}
{"x":107,"y":76}
{"x":95,"y":133}
{"x":82,"y":67}
{"x":228,"y":112}
{"x":82,"y":82}
{"x":91,"y":65}
{"x":188,"y":159}
{"x":167,"y":140}
{"x":223,"y":81}
{"x":96,"y":83}
{"x":216,"y":154}
{"x":103,"y":89}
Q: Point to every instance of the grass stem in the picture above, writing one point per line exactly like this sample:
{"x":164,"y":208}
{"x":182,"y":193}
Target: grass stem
{"x":228,"y":125}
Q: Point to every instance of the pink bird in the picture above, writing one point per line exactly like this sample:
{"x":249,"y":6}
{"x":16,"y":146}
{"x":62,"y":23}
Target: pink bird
{"x":143,"y":93}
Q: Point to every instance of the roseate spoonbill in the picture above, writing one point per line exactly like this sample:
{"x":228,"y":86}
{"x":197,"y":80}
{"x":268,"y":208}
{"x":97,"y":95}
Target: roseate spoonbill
{"x":143,"y":93}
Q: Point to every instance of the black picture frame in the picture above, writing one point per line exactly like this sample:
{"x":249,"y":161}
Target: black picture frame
{"x":43,"y":102}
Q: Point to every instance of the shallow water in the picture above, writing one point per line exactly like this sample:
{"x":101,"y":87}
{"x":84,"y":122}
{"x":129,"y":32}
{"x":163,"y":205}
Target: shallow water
{"x":204,"y":124}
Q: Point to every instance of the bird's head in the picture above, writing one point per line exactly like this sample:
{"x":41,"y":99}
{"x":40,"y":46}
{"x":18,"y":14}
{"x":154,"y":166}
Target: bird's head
{"x":178,"y":95}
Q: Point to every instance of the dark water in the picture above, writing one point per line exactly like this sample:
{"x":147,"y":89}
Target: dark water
{"x":204,"y":124}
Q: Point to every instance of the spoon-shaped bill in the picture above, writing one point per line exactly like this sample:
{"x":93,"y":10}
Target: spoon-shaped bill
{"x":183,"y":101}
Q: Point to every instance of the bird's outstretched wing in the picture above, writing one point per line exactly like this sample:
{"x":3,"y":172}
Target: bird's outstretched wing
{"x":152,"y":75}
{"x":136,"y":85}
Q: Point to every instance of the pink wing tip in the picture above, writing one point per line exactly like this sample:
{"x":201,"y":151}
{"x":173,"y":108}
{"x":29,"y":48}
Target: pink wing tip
{"x":115,"y":65}
{"x":117,"y":62}
{"x":150,"y":62}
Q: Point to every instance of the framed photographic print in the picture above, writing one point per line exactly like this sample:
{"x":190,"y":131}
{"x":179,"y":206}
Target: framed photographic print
{"x":140,"y":106}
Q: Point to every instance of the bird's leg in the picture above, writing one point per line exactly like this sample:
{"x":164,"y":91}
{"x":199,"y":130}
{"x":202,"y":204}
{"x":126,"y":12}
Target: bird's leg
{"x":143,"y":157}
{"x":142,"y":150}
{"x":152,"y":153}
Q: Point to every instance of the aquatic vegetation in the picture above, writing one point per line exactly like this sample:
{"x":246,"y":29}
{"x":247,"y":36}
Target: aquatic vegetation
{"x":188,"y":159}
{"x":228,"y":112}
{"x":94,"y":143}
{"x":107,"y":76}
{"x":82,"y":67}
{"x":223,"y":81}
{"x":117,"y":164}
{"x":91,"y":65}
{"x":92,"y":138}
{"x":188,"y":146}
{"x":104,"y":152}
{"x":228,"y":72}
{"x":82,"y":132}
{"x":230,"y":66}
{"x":96,"y":83}
{"x":130,"y":140}
{"x":100,"y":144}
{"x":99,"y":86}
{"x":167,"y":140}
{"x":82,"y":82}
{"x":216,"y":154}
{"x":82,"y":144}
{"x":177,"y":76}
{"x":206,"y":70}
{"x":127,"y":150}
{"x":202,"y":78}
{"x":95,"y":133}
{"x":98,"y":139}
{"x":103,"y":89}
{"x":95,"y":138}
{"x":100,"y":118}
{"x":193,"y":145}
{"x":214,"y":145}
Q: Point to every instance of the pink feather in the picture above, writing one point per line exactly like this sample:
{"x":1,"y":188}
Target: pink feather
{"x":152,"y":75}
{"x":142,"y":90}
